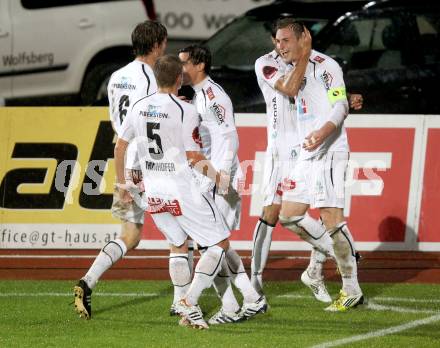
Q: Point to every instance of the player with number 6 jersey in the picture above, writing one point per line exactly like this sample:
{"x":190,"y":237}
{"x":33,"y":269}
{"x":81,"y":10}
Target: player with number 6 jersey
{"x":126,"y":85}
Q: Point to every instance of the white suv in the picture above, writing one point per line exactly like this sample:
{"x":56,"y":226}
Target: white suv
{"x":64,"y":47}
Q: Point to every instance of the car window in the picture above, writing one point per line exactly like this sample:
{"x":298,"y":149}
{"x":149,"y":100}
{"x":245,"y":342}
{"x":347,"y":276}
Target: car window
{"x":243,"y":35}
{"x":366,"y":43}
{"x":246,"y":39}
{"x":428,"y":26}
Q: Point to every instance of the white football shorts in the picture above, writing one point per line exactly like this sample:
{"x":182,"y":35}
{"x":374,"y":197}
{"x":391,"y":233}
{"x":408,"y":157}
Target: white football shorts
{"x":195,"y":216}
{"x":319,"y":181}
{"x":276,"y":176}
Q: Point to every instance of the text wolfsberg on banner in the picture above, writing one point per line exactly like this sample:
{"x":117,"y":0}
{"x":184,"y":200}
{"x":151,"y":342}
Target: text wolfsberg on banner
{"x":57,"y":177}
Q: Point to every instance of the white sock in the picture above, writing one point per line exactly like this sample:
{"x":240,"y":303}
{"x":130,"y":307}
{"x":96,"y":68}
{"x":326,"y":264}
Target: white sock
{"x":180,"y":275}
{"x":260,"y":252}
{"x":223,"y":287}
{"x":239,"y":276}
{"x":317,"y":260}
{"x":109,"y":254}
{"x":309,"y":230}
{"x":206,"y":270}
{"x":345,"y":253}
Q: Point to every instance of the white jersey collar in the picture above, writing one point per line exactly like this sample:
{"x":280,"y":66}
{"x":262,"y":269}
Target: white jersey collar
{"x":198,"y":87}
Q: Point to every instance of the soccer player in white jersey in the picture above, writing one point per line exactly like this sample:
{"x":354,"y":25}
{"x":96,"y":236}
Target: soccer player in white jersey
{"x":319,"y":174}
{"x":279,"y":84}
{"x":126,"y":85}
{"x":165,"y":129}
{"x":219,"y":141}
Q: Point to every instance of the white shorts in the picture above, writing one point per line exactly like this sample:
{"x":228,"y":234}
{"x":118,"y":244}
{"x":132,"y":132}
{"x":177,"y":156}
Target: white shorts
{"x":319,"y":181}
{"x":197,"y":217}
{"x":276,"y":177}
{"x":229,"y":205}
{"x":230,"y":209}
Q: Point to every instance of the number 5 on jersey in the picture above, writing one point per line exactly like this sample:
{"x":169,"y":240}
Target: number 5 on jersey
{"x":155,"y":148}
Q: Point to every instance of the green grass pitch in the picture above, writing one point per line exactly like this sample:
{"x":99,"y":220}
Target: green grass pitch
{"x":135,"y":314}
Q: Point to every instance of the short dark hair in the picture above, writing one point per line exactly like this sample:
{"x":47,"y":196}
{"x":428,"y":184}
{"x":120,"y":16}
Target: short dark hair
{"x":288,"y":22}
{"x":146,"y":36}
{"x":166,"y":70}
{"x":272,"y":27}
{"x":199,"y":54}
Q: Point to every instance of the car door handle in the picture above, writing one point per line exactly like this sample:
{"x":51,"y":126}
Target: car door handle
{"x":85,"y":23}
{"x":3,"y":33}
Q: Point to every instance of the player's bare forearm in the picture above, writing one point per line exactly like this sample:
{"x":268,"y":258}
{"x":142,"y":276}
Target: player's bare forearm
{"x":119,"y":153}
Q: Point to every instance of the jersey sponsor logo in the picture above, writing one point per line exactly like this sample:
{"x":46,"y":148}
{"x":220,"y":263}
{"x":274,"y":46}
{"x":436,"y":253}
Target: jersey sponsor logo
{"x":318,"y":59}
{"x":219,"y":111}
{"x":154,"y":112}
{"x":158,"y":205}
{"x":124,"y":84}
{"x":210,"y":93}
{"x":160,"y":166}
{"x":269,"y":72}
{"x":196,"y":137}
{"x":275,"y":113}
{"x":327,"y":78}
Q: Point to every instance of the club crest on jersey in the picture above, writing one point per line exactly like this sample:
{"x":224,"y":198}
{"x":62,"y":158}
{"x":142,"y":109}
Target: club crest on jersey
{"x":210,"y":93}
{"x":219,"y":111}
{"x":196,"y":136}
{"x":269,"y":71}
{"x":327,"y":78}
{"x":318,"y":59}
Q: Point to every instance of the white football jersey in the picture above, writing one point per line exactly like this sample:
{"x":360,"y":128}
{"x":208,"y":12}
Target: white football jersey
{"x":163,"y":128}
{"x":282,"y":137}
{"x":323,"y":87}
{"x":126,"y":85}
{"x":217,"y":118}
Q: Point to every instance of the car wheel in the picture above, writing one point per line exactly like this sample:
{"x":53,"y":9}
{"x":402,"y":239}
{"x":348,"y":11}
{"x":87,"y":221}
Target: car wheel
{"x":94,"y":88}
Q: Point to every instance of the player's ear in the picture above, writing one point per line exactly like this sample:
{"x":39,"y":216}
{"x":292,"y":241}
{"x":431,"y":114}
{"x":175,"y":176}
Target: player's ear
{"x":201,"y":66}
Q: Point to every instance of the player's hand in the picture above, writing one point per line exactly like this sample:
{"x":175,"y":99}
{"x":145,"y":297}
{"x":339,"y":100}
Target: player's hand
{"x":317,"y":137}
{"x":222,"y":182}
{"x":356,"y":101}
{"x":314,"y":140}
{"x":231,"y":197}
{"x":124,"y":195}
{"x":306,"y":44}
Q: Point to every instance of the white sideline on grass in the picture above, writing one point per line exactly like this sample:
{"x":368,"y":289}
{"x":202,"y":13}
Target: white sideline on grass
{"x":379,"y":333}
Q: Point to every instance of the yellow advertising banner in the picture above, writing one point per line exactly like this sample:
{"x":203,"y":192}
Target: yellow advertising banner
{"x":56,"y":165}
